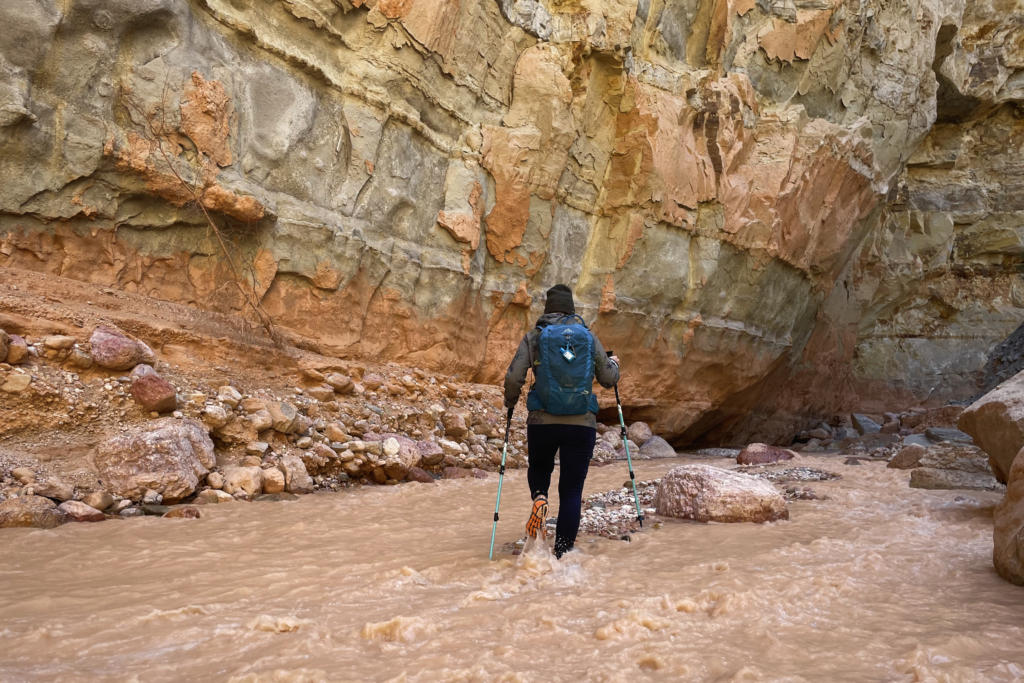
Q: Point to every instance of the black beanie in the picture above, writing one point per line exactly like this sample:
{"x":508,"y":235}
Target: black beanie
{"x":559,"y":300}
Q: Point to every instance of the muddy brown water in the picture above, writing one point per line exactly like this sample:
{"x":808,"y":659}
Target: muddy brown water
{"x":878,"y":582}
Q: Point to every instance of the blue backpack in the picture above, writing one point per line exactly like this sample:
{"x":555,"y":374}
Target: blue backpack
{"x":564,"y":369}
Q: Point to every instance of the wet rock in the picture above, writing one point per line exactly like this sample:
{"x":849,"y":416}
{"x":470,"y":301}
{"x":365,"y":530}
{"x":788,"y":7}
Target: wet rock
{"x":55,"y":488}
{"x":129,"y":512}
{"x":183,"y":512}
{"x":30,"y":511}
{"x":151,"y":391}
{"x":932,"y":478}
{"x":340,"y":383}
{"x":273,"y":480}
{"x":168,"y":455}
{"x":996,"y":423}
{"x":17,"y":350}
{"x":297,"y":479}
{"x":114,"y":350}
{"x":155,"y":509}
{"x":1008,"y":533}
{"x":101,"y":500}
{"x":852,"y":461}
{"x":274,"y":497}
{"x":864,"y":424}
{"x":16,"y":383}
{"x":77,"y":511}
{"x":639,"y":433}
{"x":151,"y":497}
{"x":246,"y":480}
{"x":212,"y":496}
{"x":709,"y":494}
{"x":939,"y":434}
{"x":463,"y":473}
{"x":656,"y":447}
{"x":908,"y":457}
{"x":759,"y":453}
{"x":420,"y":475}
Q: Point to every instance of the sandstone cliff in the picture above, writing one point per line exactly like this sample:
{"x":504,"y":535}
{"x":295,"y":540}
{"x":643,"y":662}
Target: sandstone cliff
{"x":771,"y":210}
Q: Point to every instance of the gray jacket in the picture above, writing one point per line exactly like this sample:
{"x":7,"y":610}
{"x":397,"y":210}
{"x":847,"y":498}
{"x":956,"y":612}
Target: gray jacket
{"x":605,"y":371}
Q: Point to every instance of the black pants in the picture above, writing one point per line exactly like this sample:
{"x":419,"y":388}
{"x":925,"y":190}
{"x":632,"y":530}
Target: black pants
{"x":575,"y":445}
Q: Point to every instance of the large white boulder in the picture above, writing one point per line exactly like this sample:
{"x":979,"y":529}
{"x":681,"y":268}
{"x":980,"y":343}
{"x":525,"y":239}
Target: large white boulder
{"x":710,"y":494}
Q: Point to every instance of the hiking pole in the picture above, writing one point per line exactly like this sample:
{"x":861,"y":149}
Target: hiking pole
{"x":629,"y":461}
{"x":501,"y":477}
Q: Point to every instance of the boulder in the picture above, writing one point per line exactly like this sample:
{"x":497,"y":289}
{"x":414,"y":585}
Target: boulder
{"x":656,"y":447}
{"x":908,"y":457}
{"x":30,"y":511}
{"x":320,"y":392}
{"x":759,"y":453}
{"x":80,"y":512}
{"x":151,"y":391}
{"x":996,"y":422}
{"x":246,"y":480}
{"x":54,"y":488}
{"x":5,"y":342}
{"x":23,"y":475}
{"x":709,"y":494}
{"x":342,"y":384}
{"x":864,"y":424}
{"x":283,"y":416}
{"x":183,"y":512}
{"x":16,"y":383}
{"x":115,"y":350}
{"x":273,"y":480}
{"x":639,"y":433}
{"x":1008,"y":533}
{"x":919,"y":439}
{"x":212,"y":496}
{"x":297,"y":479}
{"x":953,"y":455}
{"x":620,"y":452}
{"x":100,"y":500}
{"x":167,"y":455}
{"x":17,"y":350}
{"x":420,"y":475}
{"x":400,"y":455}
{"x":455,"y":423}
{"x":215,"y":480}
{"x":940,"y":434}
{"x":933,"y":478}
{"x":613,"y":437}
{"x":430,"y":453}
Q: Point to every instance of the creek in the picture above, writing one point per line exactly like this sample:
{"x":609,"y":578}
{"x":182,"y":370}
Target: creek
{"x":874,"y":581}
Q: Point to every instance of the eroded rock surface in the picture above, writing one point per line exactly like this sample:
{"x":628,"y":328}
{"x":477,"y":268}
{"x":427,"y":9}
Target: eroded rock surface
{"x":996,"y":423}
{"x":168,"y":456}
{"x":744,"y":196}
{"x":709,"y":494}
{"x":1008,"y":535}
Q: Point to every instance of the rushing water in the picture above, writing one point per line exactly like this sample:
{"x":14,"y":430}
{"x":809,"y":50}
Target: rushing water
{"x":877,"y":582}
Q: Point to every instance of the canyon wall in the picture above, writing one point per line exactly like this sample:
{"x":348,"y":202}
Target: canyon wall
{"x":771,"y":210}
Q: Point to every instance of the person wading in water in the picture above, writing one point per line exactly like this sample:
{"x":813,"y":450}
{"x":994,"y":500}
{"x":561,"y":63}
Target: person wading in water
{"x":565,"y":358}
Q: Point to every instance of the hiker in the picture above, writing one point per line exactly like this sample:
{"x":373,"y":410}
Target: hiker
{"x":559,"y":421}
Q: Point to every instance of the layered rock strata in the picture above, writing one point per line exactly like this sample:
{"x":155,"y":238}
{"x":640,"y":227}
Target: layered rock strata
{"x":399,"y":180}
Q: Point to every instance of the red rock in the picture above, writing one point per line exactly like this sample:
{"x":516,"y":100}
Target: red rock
{"x":419,"y":474}
{"x":114,"y":350}
{"x":152,"y":391}
{"x":759,"y":453}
